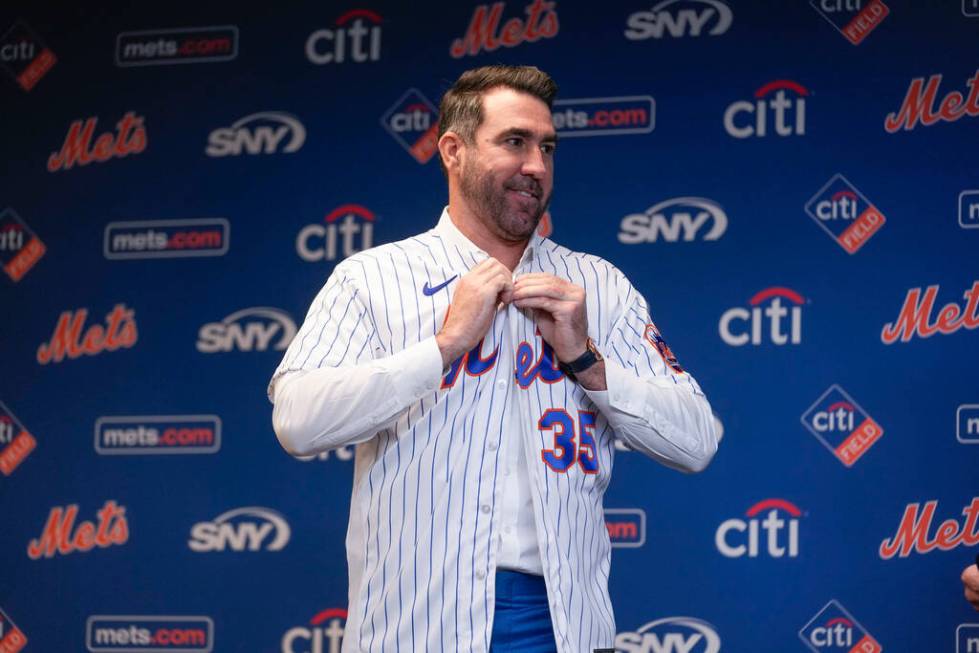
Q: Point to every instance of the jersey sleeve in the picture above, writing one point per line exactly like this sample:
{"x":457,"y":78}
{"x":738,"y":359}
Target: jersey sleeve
{"x":336,"y":385}
{"x":652,"y":403}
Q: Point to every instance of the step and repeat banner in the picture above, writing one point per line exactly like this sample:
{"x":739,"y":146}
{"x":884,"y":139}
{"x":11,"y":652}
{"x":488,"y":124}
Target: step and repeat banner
{"x":793,"y":185}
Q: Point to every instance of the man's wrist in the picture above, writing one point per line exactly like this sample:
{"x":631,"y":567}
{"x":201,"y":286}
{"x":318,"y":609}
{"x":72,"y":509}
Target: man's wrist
{"x":583,"y":362}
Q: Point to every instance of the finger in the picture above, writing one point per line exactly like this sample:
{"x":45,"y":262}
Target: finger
{"x":536,"y":276}
{"x":543,"y":303}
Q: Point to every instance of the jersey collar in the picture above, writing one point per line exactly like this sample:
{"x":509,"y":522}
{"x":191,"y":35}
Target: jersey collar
{"x":447,"y":229}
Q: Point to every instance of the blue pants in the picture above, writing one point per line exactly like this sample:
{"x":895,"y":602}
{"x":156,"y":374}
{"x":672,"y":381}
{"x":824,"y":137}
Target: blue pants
{"x":522,"y":621}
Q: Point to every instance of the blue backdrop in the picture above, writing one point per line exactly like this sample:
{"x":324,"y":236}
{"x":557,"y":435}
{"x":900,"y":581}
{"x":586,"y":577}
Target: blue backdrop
{"x":794,"y":186}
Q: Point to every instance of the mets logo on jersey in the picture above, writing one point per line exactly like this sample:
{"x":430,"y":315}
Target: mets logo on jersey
{"x":841,"y":425}
{"x":845,"y":214}
{"x":835,"y":629}
{"x":655,"y":338}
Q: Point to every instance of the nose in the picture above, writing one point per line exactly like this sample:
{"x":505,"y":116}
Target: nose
{"x":534,"y":164}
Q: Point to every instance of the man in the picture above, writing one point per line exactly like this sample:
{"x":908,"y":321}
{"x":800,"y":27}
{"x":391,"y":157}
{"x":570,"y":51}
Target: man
{"x":484,"y":373}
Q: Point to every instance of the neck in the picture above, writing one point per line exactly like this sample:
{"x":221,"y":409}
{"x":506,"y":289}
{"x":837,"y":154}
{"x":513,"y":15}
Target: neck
{"x":506,"y":252}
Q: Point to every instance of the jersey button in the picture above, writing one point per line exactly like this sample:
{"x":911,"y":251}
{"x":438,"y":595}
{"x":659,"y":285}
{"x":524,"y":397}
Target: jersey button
{"x":485,"y":508}
{"x":501,"y":384}
{"x":480,"y":574}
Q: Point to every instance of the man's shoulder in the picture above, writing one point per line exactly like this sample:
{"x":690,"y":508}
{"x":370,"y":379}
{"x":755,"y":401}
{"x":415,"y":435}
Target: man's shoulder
{"x":393,"y":253}
{"x":555,"y":252}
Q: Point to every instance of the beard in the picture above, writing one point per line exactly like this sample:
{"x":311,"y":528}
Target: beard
{"x":510,"y":216}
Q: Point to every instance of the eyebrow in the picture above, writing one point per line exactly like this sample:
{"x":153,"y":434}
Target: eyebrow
{"x":526,"y":133}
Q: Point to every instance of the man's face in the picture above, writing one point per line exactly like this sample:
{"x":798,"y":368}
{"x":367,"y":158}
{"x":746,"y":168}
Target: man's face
{"x":508,"y":172}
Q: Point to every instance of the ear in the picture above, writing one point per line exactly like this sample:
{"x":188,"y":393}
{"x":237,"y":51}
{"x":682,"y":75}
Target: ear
{"x":451,"y":148}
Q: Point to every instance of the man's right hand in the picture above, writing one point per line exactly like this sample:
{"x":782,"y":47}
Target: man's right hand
{"x":970,"y":578}
{"x":474,"y":304}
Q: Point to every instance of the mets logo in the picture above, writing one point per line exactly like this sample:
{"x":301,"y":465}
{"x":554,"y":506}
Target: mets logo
{"x":841,"y":425}
{"x":655,"y":338}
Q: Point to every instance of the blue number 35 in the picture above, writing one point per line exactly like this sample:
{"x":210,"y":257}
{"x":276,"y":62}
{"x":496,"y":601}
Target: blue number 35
{"x":567,"y":449}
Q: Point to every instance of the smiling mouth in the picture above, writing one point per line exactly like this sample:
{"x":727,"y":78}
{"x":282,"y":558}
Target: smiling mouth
{"x":525,"y":193}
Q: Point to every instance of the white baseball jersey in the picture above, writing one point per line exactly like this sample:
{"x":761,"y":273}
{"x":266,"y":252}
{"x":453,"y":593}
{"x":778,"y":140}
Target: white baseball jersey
{"x":422,"y":543}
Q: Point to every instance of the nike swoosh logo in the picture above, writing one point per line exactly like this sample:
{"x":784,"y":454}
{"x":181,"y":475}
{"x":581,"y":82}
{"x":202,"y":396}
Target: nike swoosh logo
{"x":428,"y":291}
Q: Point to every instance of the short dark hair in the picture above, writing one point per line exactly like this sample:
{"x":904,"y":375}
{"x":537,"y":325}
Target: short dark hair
{"x":461,"y":108}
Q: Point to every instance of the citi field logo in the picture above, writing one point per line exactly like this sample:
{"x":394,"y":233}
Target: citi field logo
{"x":673,"y":220}
{"x":608,"y":116}
{"x":158,"y":434}
{"x":918,"y":107}
{"x":486,"y":34}
{"x":835,"y":629}
{"x":670,"y":635}
{"x":845,"y":214}
{"x":129,"y":138}
{"x":60,"y":535}
{"x":356,"y":36}
{"x":68,"y":339}
{"x":912,"y":531}
{"x":16,"y":442}
{"x":667,"y":18}
{"x":413,"y":122}
{"x":159,"y":47}
{"x":346,"y":230}
{"x":242,"y":529}
{"x":12,"y":639}
{"x":741,"y":326}
{"x":166,"y":238}
{"x":842,"y":426}
{"x":737,"y":538}
{"x":264,"y":132}
{"x":854,"y":19}
{"x":156,"y":634}
{"x":914,"y":319}
{"x":626,"y":527}
{"x":323,"y":634}
{"x":24,"y":56}
{"x":744,"y":119}
{"x":20,"y":248}
{"x":250,"y":329}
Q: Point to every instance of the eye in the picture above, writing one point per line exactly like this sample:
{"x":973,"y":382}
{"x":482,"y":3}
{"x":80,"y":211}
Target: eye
{"x":515,"y":141}
{"x":548,"y":148}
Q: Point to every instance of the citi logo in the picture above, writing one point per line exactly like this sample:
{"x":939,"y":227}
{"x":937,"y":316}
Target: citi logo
{"x":324,"y":634}
{"x":347,"y":229}
{"x":680,"y":218}
{"x":250,"y":329}
{"x":854,"y":19}
{"x":841,"y":425}
{"x":413,"y":122}
{"x":736,"y":538}
{"x":257,"y":133}
{"x":740,"y":326}
{"x":670,"y":635}
{"x":835,"y":629}
{"x":357,"y":35}
{"x":666,"y":19}
{"x":744,"y":119}
{"x":242,"y":529}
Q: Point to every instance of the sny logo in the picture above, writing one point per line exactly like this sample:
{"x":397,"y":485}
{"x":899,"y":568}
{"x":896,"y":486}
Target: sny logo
{"x":782,"y":107}
{"x":664,"y":18}
{"x":913,"y":320}
{"x":58,"y":535}
{"x":20,"y":249}
{"x":670,"y":635}
{"x":679,"y":218}
{"x":130,"y":138}
{"x":841,"y":425}
{"x":851,"y":18}
{"x":257,"y":133}
{"x":119,"y":332}
{"x":324,"y":634}
{"x":413,"y":122}
{"x":845,"y":214}
{"x":318,"y":242}
{"x":360,"y":28}
{"x":912,"y":532}
{"x":835,"y":629}
{"x":773,"y":526}
{"x":626,"y":527}
{"x":243,"y":529}
{"x":919,"y":105}
{"x":775,"y":312}
{"x":24,"y":56}
{"x":250,"y":329}
{"x":16,"y":442}
{"x":542,"y":23}
{"x":12,"y":640}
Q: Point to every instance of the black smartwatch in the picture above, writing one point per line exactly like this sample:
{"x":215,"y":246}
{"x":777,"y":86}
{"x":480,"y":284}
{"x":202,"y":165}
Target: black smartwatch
{"x":583,"y":362}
